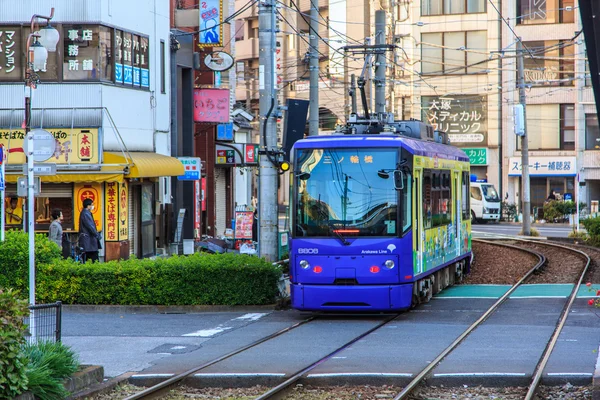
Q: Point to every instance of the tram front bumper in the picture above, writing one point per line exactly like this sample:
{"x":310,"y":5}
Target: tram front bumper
{"x":351,"y":298}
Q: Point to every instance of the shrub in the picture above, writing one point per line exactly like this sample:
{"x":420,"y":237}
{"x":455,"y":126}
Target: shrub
{"x":532,"y":232}
{"x":14,"y":258}
{"x":558,"y":210}
{"x":509,"y":210}
{"x":592,"y":226}
{"x":49,"y":364}
{"x":578,"y":235}
{"x":199,"y":279}
{"x":13,"y":379}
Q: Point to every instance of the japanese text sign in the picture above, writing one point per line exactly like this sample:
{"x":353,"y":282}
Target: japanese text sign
{"x":10,"y":53}
{"x":91,"y":191}
{"x":464,"y":118}
{"x":225,"y":132}
{"x":116,"y":212}
{"x":544,"y":166}
{"x":123,"y":210}
{"x":211,"y":23}
{"x":211,"y":105}
{"x":243,"y":224}
{"x":477,"y":156}
{"x":192,"y":167}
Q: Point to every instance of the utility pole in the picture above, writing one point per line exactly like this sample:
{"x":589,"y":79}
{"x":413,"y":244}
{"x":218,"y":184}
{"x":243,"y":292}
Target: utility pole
{"x":313,"y":123}
{"x":369,"y":79}
{"x":525,"y":199}
{"x":380,"y":63}
{"x":268,"y":108}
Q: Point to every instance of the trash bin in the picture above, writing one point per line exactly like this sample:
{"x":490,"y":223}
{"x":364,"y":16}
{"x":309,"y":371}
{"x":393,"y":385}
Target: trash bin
{"x":188,"y":246}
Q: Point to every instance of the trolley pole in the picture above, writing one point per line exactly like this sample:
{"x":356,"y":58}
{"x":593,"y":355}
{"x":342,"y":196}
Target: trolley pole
{"x":525,"y":198}
{"x":380,"y":63}
{"x":268,"y":108}
{"x":313,"y":122}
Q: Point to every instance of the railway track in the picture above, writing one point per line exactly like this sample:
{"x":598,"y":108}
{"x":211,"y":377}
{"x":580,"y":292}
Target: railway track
{"x":282,"y":389}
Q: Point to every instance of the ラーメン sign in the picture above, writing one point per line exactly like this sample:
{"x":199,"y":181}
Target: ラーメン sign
{"x":463,"y":118}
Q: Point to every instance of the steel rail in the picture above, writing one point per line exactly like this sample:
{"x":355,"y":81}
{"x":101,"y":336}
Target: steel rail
{"x":433,"y":364}
{"x":159,"y":389}
{"x":299,"y":374}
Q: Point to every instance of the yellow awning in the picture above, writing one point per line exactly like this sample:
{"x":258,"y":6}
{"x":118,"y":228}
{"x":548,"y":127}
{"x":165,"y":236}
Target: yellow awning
{"x":146,"y":165}
{"x":106,"y":174}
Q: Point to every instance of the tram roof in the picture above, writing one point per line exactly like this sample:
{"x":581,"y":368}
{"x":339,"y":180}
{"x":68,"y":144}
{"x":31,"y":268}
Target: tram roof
{"x":414,"y":146}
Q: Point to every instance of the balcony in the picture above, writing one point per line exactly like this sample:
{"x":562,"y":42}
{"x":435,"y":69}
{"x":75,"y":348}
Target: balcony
{"x":246,"y":49}
{"x":305,"y":5}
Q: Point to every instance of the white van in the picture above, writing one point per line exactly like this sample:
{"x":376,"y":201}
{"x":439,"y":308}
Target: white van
{"x":485,"y":202}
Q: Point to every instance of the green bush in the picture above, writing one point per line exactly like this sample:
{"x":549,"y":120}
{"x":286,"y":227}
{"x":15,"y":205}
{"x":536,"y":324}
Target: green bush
{"x":199,"y":279}
{"x":592,"y":226}
{"x":509,"y":211}
{"x":558,"y":210}
{"x":49,"y":365}
{"x":14,"y":258}
{"x":532,"y":232}
{"x":13,"y":379}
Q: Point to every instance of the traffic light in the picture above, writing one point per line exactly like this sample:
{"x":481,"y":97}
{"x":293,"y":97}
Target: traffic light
{"x":283,"y":167}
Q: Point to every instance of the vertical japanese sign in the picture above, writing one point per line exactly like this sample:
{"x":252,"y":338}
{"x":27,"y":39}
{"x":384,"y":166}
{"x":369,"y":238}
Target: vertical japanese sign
{"x":119,"y":56}
{"x":111,"y":212}
{"x":197,"y":208}
{"x":81,"y":52}
{"x":123,"y":211}
{"x":137,"y":76}
{"x":211,"y":23}
{"x":10,"y":53}
{"x":144,"y":62}
{"x":464,"y":118}
{"x":477,"y":156}
{"x":203,"y":182}
{"x":127,"y":58}
{"x":91,"y":191}
{"x":211,"y":105}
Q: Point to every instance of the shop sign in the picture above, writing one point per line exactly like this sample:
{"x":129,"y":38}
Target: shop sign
{"x":203,"y":182}
{"x":251,"y":153}
{"x":84,"y":191}
{"x":10,"y":53}
{"x":198,"y":197}
{"x":477,"y":156}
{"x":545,"y":166}
{"x":226,"y":155}
{"x":243,"y":224}
{"x":211,"y":105}
{"x":111,"y":212}
{"x":211,"y":23}
{"x":123,"y":210}
{"x":225,"y":132}
{"x":463,"y":118}
{"x":192,"y":167}
{"x":76,"y":146}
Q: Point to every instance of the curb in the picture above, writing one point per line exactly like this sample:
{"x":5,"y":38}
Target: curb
{"x":153,"y":309}
{"x":101,"y":388}
{"x":596,"y":380}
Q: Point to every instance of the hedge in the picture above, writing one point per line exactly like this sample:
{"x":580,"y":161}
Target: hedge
{"x":13,"y":377}
{"x":199,"y":279}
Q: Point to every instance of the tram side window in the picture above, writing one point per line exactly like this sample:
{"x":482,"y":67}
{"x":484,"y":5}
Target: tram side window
{"x":436,"y":196}
{"x":446,"y":200}
{"x":466,"y":214}
{"x":407,"y":203}
{"x":427,"y":213}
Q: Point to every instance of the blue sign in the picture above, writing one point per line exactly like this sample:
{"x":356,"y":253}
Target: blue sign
{"x":128,"y":74}
{"x":145,"y":77}
{"x":225,"y":132}
{"x":119,"y":72}
{"x":136,"y":76}
{"x":568,"y":197}
{"x":192,"y":167}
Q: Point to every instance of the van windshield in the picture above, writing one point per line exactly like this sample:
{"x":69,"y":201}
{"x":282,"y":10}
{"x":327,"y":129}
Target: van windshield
{"x":489,"y":192}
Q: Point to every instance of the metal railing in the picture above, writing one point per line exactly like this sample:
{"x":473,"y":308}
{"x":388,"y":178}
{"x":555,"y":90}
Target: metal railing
{"x":46,"y":322}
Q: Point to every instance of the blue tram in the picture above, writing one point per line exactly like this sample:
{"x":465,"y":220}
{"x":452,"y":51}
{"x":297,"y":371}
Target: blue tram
{"x":379,"y":222}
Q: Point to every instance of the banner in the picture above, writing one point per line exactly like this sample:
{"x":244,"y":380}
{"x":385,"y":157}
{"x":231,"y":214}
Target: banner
{"x":243,"y":224}
{"x":123,"y":225}
{"x":88,"y":191}
{"x":111,"y":211}
{"x":211,"y":23}
{"x":211,"y":105}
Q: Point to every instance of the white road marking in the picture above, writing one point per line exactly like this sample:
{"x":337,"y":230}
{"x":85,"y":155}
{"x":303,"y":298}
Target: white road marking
{"x":250,"y":317}
{"x":178,"y":347}
{"x":339,"y":358}
{"x":152,"y":375}
{"x":214,"y":375}
{"x":208,"y":332}
{"x":358,"y":374}
{"x":482,"y":374}
{"x":570,"y":374}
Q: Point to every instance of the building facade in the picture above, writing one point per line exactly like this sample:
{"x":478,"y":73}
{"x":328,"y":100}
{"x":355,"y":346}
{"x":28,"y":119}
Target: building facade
{"x":105,"y":97}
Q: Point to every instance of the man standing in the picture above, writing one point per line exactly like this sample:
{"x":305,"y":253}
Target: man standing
{"x":89,"y":238}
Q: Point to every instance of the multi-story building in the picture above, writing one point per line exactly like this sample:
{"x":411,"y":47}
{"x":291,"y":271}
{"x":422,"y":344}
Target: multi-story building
{"x":105,"y":97}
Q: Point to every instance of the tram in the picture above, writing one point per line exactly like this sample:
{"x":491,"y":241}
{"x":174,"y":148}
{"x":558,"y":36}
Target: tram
{"x":380,"y":222}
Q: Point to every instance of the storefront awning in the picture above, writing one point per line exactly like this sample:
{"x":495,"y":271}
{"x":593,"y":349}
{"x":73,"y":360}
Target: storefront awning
{"x":106,"y":174}
{"x":146,"y":165}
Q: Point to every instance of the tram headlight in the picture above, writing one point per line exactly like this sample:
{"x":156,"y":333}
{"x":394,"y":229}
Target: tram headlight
{"x":304,"y":264}
{"x":389,"y":264}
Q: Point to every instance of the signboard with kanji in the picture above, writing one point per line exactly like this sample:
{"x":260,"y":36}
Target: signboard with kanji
{"x":544,"y":166}
{"x":243,"y":224}
{"x":111,"y":212}
{"x":211,"y":105}
{"x":84,"y":191}
{"x":477,"y":156}
{"x":225,"y":132}
{"x":76,"y":146}
{"x":463,"y":118}
{"x":192,"y":167}
{"x":211,"y":23}
{"x":123,"y":225}
{"x":10,"y":53}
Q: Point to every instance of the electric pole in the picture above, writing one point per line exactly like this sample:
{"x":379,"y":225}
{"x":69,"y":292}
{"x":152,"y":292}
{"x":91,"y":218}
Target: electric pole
{"x":268,"y":108}
{"x":380,"y":63}
{"x":525,"y":200}
{"x":313,"y":123}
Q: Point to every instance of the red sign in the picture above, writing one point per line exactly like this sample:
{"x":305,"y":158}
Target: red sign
{"x":211,"y":105}
{"x":197,"y":209}
{"x":250,"y":153}
{"x":203,"y":194}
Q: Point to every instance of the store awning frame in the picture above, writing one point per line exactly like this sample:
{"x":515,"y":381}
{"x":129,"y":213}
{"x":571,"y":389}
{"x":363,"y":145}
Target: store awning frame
{"x":145,"y":164}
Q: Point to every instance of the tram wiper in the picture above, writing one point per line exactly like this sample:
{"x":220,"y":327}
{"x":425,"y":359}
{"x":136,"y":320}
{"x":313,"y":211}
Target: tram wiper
{"x":339,"y":235}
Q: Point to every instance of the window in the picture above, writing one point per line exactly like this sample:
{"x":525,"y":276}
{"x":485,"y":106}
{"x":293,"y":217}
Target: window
{"x":567,"y":127}
{"x":558,"y":69}
{"x":81,"y":53}
{"x":592,"y":132}
{"x":407,"y":202}
{"x":476,"y":193}
{"x":163,"y":86}
{"x":437,"y":198}
{"x":439,"y":7}
{"x":239,"y":29}
{"x":427,"y":212}
{"x":445,"y":52}
{"x":531,"y":12}
{"x":466,"y":209}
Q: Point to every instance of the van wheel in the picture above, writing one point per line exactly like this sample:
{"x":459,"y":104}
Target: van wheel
{"x":473,"y":219}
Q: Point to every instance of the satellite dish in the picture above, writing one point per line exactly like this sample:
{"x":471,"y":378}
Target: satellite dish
{"x":218,"y":61}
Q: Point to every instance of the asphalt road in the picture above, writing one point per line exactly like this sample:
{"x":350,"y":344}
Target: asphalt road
{"x":546,"y":230}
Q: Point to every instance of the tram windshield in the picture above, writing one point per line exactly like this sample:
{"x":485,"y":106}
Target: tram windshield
{"x":346,"y":192}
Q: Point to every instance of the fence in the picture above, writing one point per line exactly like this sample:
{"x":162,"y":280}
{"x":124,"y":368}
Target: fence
{"x":46,"y":322}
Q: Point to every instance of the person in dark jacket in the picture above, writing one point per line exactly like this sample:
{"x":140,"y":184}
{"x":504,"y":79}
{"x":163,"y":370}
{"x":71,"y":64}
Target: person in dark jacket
{"x":89,"y":238}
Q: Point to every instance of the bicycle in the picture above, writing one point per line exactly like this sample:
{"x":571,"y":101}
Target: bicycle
{"x":77,"y":253}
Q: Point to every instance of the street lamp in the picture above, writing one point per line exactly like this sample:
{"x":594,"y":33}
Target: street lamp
{"x":37,"y":55}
